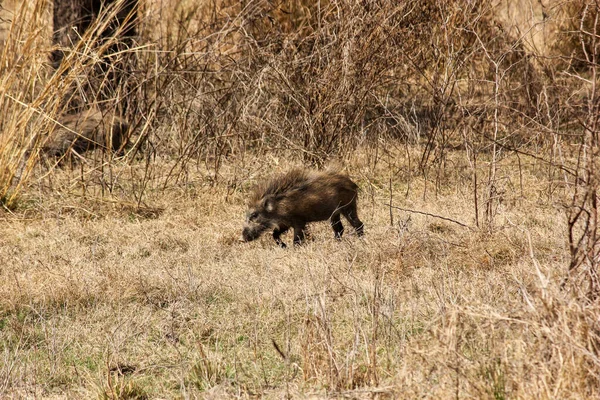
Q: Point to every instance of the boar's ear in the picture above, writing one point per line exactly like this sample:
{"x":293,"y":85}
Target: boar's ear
{"x":269,"y":203}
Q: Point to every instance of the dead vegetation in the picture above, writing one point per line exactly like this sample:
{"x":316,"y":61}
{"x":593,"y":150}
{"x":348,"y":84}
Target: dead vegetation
{"x":85,"y":131}
{"x":474,"y":148}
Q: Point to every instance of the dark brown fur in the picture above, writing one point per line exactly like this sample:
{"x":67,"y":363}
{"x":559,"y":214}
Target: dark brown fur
{"x":298,"y":197}
{"x":87,"y":130}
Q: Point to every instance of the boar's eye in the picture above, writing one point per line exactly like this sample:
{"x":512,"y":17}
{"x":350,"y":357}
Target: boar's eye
{"x":253,"y":216}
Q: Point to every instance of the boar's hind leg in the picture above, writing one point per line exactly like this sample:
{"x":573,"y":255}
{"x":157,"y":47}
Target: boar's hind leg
{"x":277,"y":236}
{"x":337,"y":226}
{"x":352,"y":217}
{"x":299,"y":234}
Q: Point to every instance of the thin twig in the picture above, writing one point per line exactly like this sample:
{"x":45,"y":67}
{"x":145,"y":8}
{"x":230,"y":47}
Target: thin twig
{"x":429,"y":215}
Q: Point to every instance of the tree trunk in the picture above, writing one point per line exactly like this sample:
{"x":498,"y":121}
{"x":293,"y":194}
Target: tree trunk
{"x":73,"y":17}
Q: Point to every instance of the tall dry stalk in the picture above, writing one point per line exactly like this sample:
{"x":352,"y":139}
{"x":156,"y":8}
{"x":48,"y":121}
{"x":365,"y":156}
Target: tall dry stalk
{"x":584,"y":240}
{"x":34,"y":96}
{"x":22,"y":72}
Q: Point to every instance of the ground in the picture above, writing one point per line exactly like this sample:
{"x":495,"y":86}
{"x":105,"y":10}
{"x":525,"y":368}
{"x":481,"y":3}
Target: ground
{"x":102,"y":298}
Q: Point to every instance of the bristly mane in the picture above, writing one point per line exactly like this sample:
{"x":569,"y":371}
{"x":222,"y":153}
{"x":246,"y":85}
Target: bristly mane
{"x":296,"y":179}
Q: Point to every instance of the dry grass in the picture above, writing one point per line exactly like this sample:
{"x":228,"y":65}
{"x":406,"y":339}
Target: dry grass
{"x":424,"y":308}
{"x":121,"y":275}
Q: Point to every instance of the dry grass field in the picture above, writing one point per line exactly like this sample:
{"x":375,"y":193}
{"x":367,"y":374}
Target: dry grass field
{"x":471,"y":128}
{"x":101,"y":301}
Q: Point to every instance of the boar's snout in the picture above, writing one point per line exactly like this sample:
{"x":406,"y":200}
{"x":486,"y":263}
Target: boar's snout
{"x":246,"y":234}
{"x":252,"y":232}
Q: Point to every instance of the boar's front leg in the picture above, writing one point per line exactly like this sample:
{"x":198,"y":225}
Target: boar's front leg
{"x":336,"y":224}
{"x":277,"y":235}
{"x":299,"y":233}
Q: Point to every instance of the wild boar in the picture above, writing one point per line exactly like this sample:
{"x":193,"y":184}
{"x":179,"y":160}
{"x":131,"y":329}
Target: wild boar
{"x":293,"y":199}
{"x":85,"y":131}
